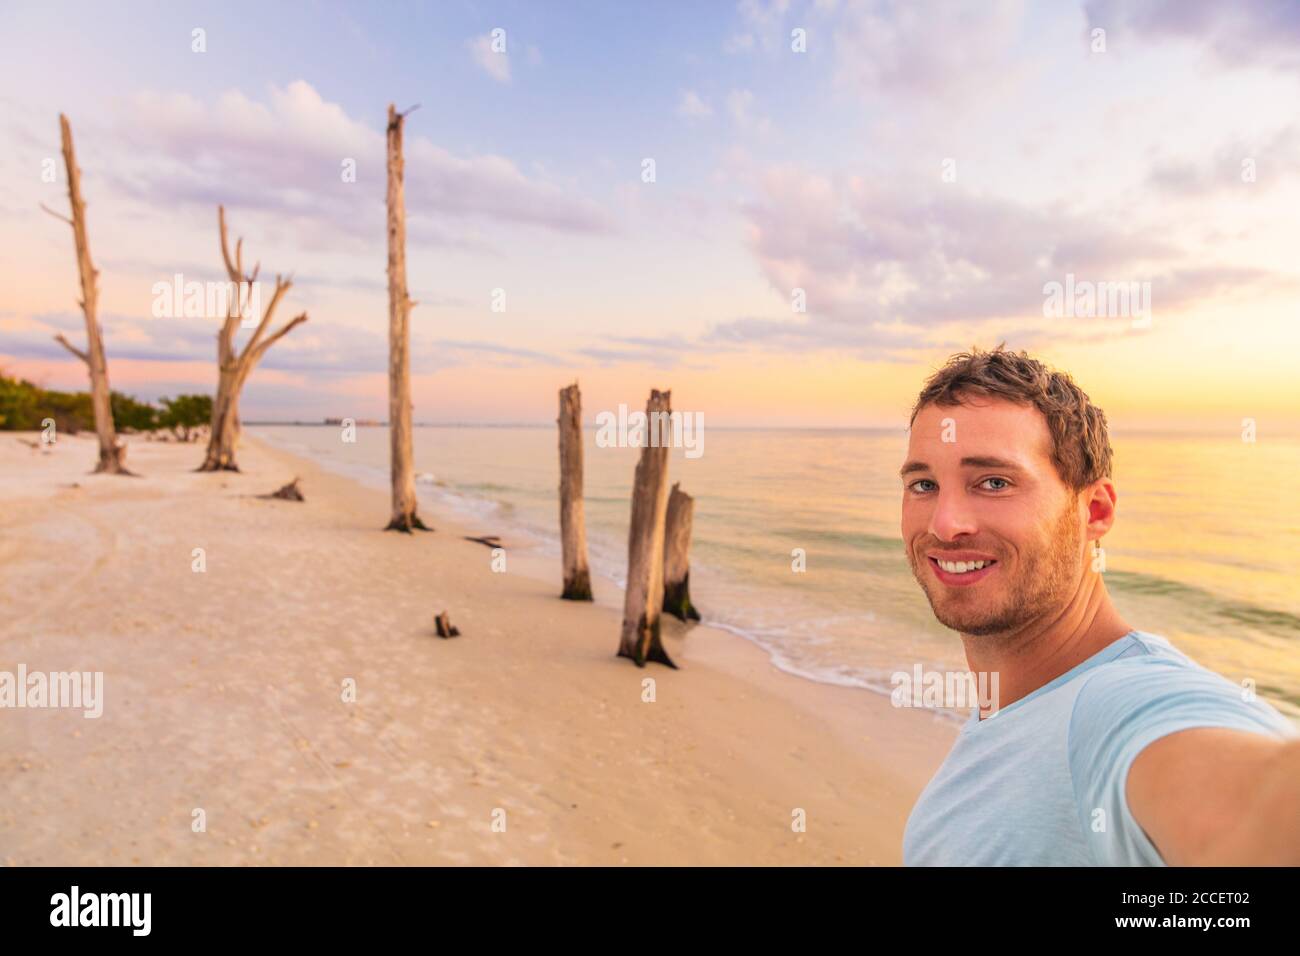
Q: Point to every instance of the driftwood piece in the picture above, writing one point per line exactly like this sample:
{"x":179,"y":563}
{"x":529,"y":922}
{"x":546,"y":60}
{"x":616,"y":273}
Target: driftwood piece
{"x":289,"y":492}
{"x":643,"y":599}
{"x":404,"y":517}
{"x":445,"y":628}
{"x":677,"y":547}
{"x":112,"y":453}
{"x":573,"y":523}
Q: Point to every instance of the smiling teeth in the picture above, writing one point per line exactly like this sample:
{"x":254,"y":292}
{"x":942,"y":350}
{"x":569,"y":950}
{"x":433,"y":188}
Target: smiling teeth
{"x":961,"y":567}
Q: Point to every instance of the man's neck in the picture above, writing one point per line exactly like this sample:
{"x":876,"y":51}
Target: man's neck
{"x":1044,"y":649}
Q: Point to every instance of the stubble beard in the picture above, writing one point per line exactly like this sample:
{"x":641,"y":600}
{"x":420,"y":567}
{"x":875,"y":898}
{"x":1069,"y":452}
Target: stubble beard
{"x":1047,"y":577}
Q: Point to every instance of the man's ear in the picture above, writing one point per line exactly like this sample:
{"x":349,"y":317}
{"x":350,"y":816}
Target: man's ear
{"x":1100,"y":498}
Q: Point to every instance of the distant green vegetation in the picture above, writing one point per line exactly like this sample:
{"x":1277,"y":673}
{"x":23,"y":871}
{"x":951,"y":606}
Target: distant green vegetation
{"x":24,"y":406}
{"x":185,"y":412}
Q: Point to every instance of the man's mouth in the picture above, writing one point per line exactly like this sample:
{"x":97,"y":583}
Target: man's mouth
{"x":969,"y":570}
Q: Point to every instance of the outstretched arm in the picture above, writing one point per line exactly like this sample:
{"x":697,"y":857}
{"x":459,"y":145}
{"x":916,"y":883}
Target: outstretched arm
{"x":1219,"y":797}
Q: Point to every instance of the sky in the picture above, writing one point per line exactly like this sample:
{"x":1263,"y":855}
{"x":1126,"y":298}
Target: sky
{"x":844,"y":193}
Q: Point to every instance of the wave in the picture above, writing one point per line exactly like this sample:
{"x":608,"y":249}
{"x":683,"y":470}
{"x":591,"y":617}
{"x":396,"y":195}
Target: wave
{"x":1270,"y":620}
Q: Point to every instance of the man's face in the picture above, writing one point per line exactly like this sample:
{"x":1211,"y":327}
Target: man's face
{"x":979,"y":487}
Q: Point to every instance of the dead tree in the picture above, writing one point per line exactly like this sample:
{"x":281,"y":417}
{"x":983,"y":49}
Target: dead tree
{"x":112,"y":454}
{"x":645,"y":541}
{"x":573,"y":523}
{"x":234,"y":367}
{"x":399,"y":339}
{"x":677,"y":547}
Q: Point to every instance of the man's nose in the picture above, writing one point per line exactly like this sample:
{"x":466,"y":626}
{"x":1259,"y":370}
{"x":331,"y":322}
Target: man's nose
{"x":952,"y":517}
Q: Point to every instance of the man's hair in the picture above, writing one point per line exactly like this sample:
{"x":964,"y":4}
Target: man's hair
{"x":1080,"y":445}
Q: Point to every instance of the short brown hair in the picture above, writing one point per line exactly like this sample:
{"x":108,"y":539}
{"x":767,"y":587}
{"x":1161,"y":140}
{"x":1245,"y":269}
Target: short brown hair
{"x":1080,"y":444}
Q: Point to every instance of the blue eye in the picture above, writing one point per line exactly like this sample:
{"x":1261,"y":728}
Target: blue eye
{"x":1005,"y":484}
{"x":915,"y":486}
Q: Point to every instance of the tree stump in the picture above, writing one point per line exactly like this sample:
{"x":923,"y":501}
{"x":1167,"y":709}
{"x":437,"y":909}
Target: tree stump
{"x":645,"y":543}
{"x":445,"y":628}
{"x":677,"y":546}
{"x":573,"y":523}
{"x":289,"y":492}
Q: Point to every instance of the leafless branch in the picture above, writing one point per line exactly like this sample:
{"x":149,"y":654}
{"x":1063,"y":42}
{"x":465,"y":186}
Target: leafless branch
{"x":72,"y":348}
{"x":261,"y":349}
{"x":58,"y":215}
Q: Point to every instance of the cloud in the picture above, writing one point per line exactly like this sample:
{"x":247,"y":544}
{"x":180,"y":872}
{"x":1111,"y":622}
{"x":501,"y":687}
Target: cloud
{"x":761,"y":27}
{"x":885,"y":265}
{"x":691,"y":105}
{"x":740,"y":104}
{"x":1224,"y":171}
{"x":1258,"y":33}
{"x":291,"y":155}
{"x":661,"y":352}
{"x":739,"y":43}
{"x":943,"y":48}
{"x":124,"y":337}
{"x":508,"y":355}
{"x":495,"y":64}
{"x":314,"y":348}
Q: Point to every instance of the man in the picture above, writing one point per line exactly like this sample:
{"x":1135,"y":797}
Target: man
{"x":1106,"y":746}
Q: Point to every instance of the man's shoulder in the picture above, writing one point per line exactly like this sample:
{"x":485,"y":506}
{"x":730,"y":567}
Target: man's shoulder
{"x":1146,"y":691}
{"x":1151,"y":682}
{"x":1141,"y":657}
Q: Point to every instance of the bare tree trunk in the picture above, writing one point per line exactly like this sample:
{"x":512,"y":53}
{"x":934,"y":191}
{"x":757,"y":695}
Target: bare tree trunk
{"x":234,"y":367}
{"x":112,"y":455}
{"x":573,"y":522}
{"x":224,"y":435}
{"x":677,"y":547}
{"x":399,"y":340}
{"x":645,"y":542}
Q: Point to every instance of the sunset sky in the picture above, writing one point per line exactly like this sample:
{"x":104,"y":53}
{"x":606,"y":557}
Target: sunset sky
{"x":821,"y":170}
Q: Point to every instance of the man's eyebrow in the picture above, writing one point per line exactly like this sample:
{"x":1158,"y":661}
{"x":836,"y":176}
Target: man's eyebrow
{"x":971,"y":461}
{"x":986,"y":461}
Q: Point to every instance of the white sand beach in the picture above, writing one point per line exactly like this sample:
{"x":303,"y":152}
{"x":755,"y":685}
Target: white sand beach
{"x":223,"y":692}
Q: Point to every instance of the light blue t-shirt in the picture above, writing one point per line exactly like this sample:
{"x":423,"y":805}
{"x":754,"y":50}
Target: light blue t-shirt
{"x":1042,"y":781}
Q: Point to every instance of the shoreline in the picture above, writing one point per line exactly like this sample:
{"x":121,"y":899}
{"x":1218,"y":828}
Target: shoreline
{"x":865,"y":621}
{"x":457,"y":506}
{"x":442,"y":735}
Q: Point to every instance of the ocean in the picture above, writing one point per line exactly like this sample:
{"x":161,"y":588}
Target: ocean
{"x":1204,"y":552}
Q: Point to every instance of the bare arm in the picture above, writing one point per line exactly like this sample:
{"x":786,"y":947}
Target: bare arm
{"x":1219,"y":797}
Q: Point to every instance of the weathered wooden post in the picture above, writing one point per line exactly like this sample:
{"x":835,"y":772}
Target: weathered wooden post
{"x":573,"y":523}
{"x":404,"y":517}
{"x":645,"y":541}
{"x":677,"y":546}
